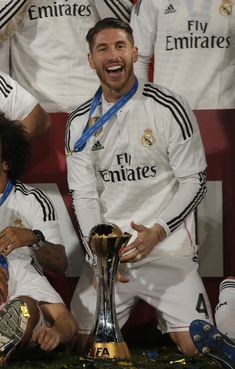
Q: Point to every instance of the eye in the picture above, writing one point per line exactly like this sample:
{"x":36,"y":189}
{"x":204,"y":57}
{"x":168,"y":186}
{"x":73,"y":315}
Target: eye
{"x":120,"y":46}
{"x":101,"y":48}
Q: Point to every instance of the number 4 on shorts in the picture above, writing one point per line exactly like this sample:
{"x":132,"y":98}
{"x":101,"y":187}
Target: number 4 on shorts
{"x":201,"y":306}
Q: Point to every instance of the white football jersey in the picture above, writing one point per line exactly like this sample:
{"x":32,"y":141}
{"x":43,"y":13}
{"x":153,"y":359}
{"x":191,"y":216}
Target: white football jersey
{"x":29,"y":207}
{"x":49,"y":50}
{"x":133,"y":167}
{"x":15,"y":102}
{"x":193,"y":44}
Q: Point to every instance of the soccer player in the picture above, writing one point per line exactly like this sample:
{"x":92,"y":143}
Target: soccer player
{"x":18,"y":104}
{"x":193,"y":46}
{"x":30,"y":308}
{"x":218,"y":342}
{"x":29,"y":225}
{"x":49,"y":51}
{"x":135,"y":159}
{"x":33,"y":310}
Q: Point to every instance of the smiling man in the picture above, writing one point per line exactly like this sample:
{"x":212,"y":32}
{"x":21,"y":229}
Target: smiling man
{"x":135,"y":159}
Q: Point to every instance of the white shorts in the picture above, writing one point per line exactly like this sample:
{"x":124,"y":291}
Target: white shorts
{"x":25,"y":280}
{"x":170,"y":284}
{"x":225,"y":309}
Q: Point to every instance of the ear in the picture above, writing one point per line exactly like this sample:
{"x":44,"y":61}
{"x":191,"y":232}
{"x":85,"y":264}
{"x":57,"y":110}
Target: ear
{"x":135,"y":54}
{"x":5,"y":166}
{"x":91,"y":61}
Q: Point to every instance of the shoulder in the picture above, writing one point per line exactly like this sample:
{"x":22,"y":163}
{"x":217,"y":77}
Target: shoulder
{"x":170,"y":107}
{"x":76,"y":123}
{"x":164,"y":97}
{"x":7,"y":84}
{"x":80,"y":112}
{"x":35,"y":199}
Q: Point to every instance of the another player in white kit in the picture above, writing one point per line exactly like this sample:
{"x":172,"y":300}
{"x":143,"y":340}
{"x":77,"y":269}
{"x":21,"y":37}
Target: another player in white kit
{"x":49,"y":52}
{"x":18,"y":104}
{"x":193,"y":45}
{"x":146,"y":164}
{"x":29,"y":235}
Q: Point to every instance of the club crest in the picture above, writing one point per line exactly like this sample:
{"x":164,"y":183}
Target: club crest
{"x":17,"y":223}
{"x":148,"y":138}
{"x":226,"y":8}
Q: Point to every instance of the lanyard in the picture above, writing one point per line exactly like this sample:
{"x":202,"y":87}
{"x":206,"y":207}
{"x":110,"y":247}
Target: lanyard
{"x":6,"y":192}
{"x":88,"y":132}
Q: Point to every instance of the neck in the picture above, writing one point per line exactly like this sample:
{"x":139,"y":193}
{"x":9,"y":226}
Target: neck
{"x":112,"y":95}
{"x":3,"y":183}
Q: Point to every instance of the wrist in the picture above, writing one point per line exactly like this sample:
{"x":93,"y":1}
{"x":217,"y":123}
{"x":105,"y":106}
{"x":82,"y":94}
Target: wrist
{"x":160,"y":232}
{"x":39,"y":239}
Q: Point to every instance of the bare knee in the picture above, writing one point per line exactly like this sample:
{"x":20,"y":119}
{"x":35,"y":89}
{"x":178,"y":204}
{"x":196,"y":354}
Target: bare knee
{"x":78,"y":343}
{"x":184,"y":342}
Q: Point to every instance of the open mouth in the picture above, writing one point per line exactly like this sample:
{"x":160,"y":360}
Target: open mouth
{"x":115,"y":69}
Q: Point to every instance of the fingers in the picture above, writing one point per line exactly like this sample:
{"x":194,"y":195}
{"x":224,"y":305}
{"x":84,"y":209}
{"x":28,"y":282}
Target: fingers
{"x":121,"y":278}
{"x":46,"y":337}
{"x":7,"y":241}
{"x":138,"y":227}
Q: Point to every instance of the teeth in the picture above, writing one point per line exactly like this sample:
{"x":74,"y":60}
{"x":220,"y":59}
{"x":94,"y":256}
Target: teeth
{"x":115,"y":67}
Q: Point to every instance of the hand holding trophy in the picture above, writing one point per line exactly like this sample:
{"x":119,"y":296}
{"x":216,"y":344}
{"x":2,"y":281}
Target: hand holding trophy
{"x":105,"y":340}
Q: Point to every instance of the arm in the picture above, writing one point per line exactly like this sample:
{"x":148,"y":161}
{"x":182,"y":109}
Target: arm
{"x":18,"y":104}
{"x":3,"y":285}
{"x":63,"y":326}
{"x":144,"y":18}
{"x":12,"y":13}
{"x":50,"y":256}
{"x":118,"y":9}
{"x":36,"y":122}
{"x":82,"y":179}
{"x":187,"y":160}
{"x":191,"y":191}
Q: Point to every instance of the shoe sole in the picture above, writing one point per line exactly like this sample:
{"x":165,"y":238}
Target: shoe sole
{"x":209,"y":341}
{"x":13,"y":323}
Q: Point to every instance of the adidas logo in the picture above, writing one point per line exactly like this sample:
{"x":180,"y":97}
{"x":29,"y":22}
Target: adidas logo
{"x":170,"y":9}
{"x":97,"y":146}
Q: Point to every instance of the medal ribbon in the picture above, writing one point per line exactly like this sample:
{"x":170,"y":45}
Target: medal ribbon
{"x":88,"y":132}
{"x":3,"y":262}
{"x":6,"y":192}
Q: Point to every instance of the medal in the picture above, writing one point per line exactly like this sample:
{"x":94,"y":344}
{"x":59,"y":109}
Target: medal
{"x":91,"y":122}
{"x":226,"y":7}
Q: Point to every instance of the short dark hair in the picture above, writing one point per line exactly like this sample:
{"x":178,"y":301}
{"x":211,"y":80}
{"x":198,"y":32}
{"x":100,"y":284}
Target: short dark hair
{"x":15,"y":147}
{"x":107,"y":23}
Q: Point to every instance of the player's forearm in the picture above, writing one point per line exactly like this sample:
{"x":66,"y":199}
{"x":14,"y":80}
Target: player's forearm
{"x":66,"y":326}
{"x":87,"y":211}
{"x":12,"y":14}
{"x":52,"y":257}
{"x":37,"y":122}
{"x":141,"y":68}
{"x":189,"y":195}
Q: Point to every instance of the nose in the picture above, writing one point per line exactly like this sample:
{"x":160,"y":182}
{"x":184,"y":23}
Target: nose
{"x":113,"y":53}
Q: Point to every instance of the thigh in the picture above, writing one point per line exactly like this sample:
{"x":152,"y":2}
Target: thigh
{"x":83,"y":303}
{"x":25,"y":280}
{"x":173,"y":286}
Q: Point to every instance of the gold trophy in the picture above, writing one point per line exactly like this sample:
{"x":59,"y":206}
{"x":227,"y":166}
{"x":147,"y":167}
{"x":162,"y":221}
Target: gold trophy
{"x":105,"y":340}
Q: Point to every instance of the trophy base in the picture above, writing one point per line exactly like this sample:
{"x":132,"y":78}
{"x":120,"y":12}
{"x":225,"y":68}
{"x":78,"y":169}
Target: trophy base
{"x":108,"y":350}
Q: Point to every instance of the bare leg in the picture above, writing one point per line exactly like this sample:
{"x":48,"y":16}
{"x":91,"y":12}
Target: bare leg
{"x":184,"y":342}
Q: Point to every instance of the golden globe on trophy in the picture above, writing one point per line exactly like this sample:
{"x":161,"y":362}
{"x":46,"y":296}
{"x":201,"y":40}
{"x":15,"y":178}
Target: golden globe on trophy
{"x":105,"y":340}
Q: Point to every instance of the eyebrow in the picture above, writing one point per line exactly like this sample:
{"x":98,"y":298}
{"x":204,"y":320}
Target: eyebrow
{"x":106,"y":43}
